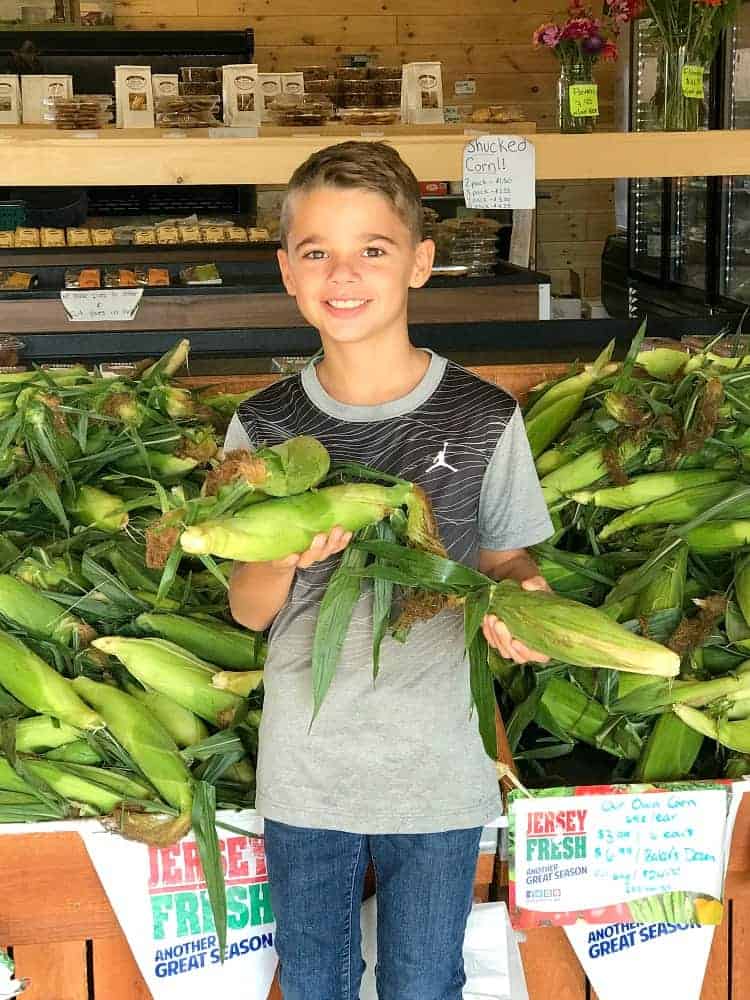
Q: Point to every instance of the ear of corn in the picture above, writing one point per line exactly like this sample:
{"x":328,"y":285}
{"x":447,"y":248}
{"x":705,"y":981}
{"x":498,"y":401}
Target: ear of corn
{"x":38,"y":615}
{"x":183,"y":726}
{"x":576,"y":634}
{"x":77,"y":752}
{"x":240,"y":682}
{"x":125,"y":786}
{"x":670,"y":751}
{"x":667,"y":589}
{"x":98,"y":509}
{"x":662,"y":362}
{"x":586,"y":469}
{"x":75,"y":787}
{"x":546,"y":425}
{"x":565,"y":711}
{"x":38,"y":686}
{"x":651,"y":699}
{"x":158,"y":464}
{"x":153,"y":750}
{"x":40,"y":732}
{"x":213,"y":641}
{"x":649,"y":487}
{"x":742,"y":588}
{"x":719,"y":537}
{"x":174,"y":672}
{"x":679,"y":508}
{"x":575,"y":385}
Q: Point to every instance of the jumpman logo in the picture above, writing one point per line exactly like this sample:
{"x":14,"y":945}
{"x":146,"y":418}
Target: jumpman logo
{"x":440,"y":461}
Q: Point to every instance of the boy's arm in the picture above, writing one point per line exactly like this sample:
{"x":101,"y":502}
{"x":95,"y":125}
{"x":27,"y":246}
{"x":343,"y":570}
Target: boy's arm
{"x":259,"y":590}
{"x":511,"y":564}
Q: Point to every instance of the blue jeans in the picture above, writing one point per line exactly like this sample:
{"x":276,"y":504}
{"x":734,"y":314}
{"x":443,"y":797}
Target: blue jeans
{"x":424,"y":895}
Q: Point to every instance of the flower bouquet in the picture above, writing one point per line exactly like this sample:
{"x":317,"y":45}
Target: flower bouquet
{"x":687,"y":33}
{"x":579,"y":42}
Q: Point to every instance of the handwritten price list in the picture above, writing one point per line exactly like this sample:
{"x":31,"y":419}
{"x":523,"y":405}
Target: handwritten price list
{"x":583,"y":852}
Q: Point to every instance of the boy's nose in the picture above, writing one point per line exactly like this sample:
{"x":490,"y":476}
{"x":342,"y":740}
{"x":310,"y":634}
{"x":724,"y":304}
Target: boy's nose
{"x":343,"y":271}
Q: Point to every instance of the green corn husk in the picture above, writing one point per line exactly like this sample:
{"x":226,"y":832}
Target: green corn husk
{"x":41,"y":732}
{"x":742,"y":588}
{"x":226,"y":404}
{"x":679,"y":508}
{"x":719,"y":537}
{"x":547,"y":424}
{"x":649,"y":487}
{"x":565,"y":711}
{"x":551,"y":459}
{"x":585,"y":469}
{"x":242,"y":773}
{"x":576,"y":634}
{"x":38,"y":615}
{"x":75,"y":787}
{"x":168,"y":364}
{"x":670,"y":751}
{"x":240,"y":682}
{"x":155,"y":753}
{"x":124,"y":785}
{"x":213,"y":641}
{"x":737,"y":766}
{"x":164,"y":667}
{"x":663,"y":362}
{"x":77,"y":752}
{"x":653,"y":698}
{"x":96,"y":508}
{"x":46,"y":572}
{"x":291,"y":467}
{"x":9,"y":551}
{"x":667,"y":589}
{"x":157,"y":464}
{"x":11,"y":782}
{"x":38,"y":686}
{"x":183,"y":726}
{"x":733,"y":735}
{"x":280,"y":527}
{"x":574,"y":385}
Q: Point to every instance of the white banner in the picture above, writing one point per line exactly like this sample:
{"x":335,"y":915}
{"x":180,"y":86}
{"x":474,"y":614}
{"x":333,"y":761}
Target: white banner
{"x":623,"y":961}
{"x":159,"y":897}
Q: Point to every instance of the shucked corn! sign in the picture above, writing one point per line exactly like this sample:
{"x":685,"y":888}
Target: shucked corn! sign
{"x":160,"y":899}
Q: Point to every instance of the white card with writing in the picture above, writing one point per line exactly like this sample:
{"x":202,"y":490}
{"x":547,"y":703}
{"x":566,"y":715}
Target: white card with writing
{"x":499,"y":172}
{"x":106,"y":305}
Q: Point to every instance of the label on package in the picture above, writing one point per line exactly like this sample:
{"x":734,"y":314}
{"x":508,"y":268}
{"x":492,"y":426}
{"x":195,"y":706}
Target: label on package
{"x":464,"y":87}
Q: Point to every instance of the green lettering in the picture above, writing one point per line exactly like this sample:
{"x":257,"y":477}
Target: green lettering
{"x":160,"y":905}
{"x":186,"y":908}
{"x":260,"y":904}
{"x":580,"y":847}
{"x":207,"y":914}
{"x":238,"y":915}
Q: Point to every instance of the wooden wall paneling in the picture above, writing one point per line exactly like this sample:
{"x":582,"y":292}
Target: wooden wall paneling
{"x":551,"y":967}
{"x":57,"y":971}
{"x":439,"y":29}
{"x":115,"y":973}
{"x":305,"y":29}
{"x":570,"y":254}
{"x":153,"y":8}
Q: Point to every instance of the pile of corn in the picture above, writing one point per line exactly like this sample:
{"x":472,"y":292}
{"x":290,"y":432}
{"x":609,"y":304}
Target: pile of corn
{"x":124,"y":690}
{"x":645,"y":466}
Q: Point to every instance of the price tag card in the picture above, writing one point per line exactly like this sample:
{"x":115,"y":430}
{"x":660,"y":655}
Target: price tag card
{"x":692,"y":82}
{"x":106,"y":305}
{"x":618,"y":853}
{"x":584,"y":100}
{"x":499,"y":171}
{"x":462,"y":88}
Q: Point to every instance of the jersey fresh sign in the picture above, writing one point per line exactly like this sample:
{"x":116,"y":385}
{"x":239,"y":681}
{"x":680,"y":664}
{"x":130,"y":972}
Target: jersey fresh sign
{"x":556,"y":836}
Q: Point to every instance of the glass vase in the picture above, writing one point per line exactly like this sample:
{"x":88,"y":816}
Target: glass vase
{"x":680,"y":100}
{"x":578,"y":103}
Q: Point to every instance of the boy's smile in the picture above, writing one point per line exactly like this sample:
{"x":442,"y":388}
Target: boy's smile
{"x":350,"y":261}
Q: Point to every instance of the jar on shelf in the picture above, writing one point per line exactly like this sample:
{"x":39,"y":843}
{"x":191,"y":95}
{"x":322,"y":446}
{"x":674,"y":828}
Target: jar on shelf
{"x":578,"y":96}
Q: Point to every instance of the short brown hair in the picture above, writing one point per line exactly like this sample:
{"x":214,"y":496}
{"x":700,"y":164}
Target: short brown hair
{"x":369,"y":166}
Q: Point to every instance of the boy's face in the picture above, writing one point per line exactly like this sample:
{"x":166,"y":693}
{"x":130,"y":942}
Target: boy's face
{"x":350,"y":262}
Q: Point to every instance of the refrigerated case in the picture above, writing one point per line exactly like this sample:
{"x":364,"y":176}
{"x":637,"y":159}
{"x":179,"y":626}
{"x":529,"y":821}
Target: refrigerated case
{"x":688,"y":239}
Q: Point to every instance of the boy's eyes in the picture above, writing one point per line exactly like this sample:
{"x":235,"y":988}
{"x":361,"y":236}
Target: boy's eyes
{"x":321,"y":254}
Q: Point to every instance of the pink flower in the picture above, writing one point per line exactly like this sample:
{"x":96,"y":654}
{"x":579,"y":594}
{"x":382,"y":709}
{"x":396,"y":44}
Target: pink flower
{"x":579,"y":28}
{"x":547,"y":34}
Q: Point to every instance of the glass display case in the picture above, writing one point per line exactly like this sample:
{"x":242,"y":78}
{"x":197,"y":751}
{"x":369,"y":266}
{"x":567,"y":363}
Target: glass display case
{"x":735,"y":215}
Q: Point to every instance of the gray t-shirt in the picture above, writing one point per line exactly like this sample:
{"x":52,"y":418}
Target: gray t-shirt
{"x":402,"y":755}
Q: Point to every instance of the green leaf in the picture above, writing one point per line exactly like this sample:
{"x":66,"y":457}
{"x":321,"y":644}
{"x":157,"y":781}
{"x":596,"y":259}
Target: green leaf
{"x":626,"y":369}
{"x":204,"y":828}
{"x":334,"y":617}
{"x":381,"y":604}
{"x":523,"y":716}
{"x":349,"y":471}
{"x":427,"y":572}
{"x":475,"y":609}
{"x":483,"y":693}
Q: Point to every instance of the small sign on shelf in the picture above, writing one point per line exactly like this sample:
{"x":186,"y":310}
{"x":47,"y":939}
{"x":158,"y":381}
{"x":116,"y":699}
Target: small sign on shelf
{"x":499,"y":172}
{"x":106,"y":305}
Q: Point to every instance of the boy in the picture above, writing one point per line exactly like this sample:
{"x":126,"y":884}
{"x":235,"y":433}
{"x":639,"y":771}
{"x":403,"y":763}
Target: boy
{"x":392,"y":772}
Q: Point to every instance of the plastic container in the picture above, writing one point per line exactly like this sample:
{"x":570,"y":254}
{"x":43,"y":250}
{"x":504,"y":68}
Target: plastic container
{"x":84,"y":111}
{"x":204,"y":88}
{"x":351,"y":73}
{"x":195,"y":111}
{"x":307,"y":110}
{"x":200,"y":74}
{"x":10,"y":348}
{"x":313,"y":73}
{"x":368,"y":116}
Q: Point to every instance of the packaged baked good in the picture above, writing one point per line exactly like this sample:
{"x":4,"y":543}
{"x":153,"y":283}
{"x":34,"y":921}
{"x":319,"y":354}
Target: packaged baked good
{"x":213,"y":234}
{"x":52,"y":237}
{"x":313,"y":73}
{"x":87,"y":277}
{"x":200,"y":274}
{"x":368,"y":116}
{"x":167,"y":234}
{"x":84,"y":111}
{"x":144,"y":236}
{"x":10,"y":347}
{"x":187,"y":111}
{"x":236,"y":234}
{"x":307,"y":110}
{"x":257,"y":234}
{"x":199,"y":74}
{"x":78,"y":237}
{"x":152,"y":277}
{"x":26,"y":236}
{"x":120,"y":277}
{"x":16,"y":281}
{"x":190,"y":234}
{"x":102,"y":237}
{"x":7,"y":239}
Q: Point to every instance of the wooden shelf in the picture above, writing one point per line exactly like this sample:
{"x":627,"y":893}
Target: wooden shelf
{"x":42,"y":156}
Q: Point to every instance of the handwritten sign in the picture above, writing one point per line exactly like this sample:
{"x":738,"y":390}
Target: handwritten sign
{"x":464,"y":87}
{"x":499,"y":172}
{"x":692,"y":82}
{"x":107,"y":305}
{"x":640,"y":856}
{"x":584,"y":100}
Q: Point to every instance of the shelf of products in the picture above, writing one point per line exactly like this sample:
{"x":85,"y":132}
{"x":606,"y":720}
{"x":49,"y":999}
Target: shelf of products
{"x":41,"y":156}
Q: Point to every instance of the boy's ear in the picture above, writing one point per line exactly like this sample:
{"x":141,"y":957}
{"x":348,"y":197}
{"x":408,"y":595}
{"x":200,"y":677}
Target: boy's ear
{"x":286,"y":274}
{"x":424,"y":257}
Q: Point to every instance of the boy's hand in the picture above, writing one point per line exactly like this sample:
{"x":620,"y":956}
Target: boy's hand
{"x":322,"y":547}
{"x":498,"y":635}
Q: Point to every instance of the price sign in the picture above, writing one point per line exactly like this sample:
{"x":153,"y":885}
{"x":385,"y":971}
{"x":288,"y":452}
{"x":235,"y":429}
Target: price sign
{"x":109,"y":305}
{"x":499,"y":172}
{"x":639,"y":854}
{"x":584,"y":100}
{"x":692,"y":82}
{"x":462,"y":88}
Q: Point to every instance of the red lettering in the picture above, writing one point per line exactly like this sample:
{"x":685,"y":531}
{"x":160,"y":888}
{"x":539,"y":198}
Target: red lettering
{"x":260,"y":865}
{"x":549,"y":823}
{"x":171,"y":874}
{"x":237,"y":865}
{"x":153,"y":867}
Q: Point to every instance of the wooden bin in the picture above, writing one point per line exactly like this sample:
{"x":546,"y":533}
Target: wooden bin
{"x":55,"y":915}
